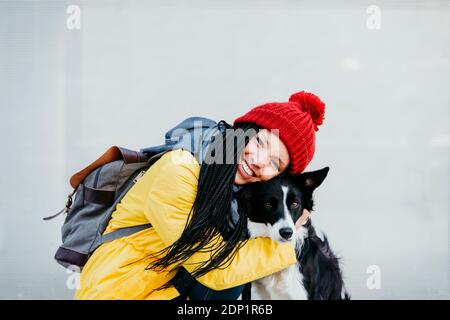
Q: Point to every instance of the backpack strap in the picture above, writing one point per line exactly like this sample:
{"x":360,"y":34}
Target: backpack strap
{"x":112,"y":154}
{"x":247,"y":292}
{"x":119,"y":233}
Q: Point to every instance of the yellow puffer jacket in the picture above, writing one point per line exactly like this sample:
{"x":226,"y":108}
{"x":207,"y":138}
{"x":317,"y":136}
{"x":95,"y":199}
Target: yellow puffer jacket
{"x":164,"y":197}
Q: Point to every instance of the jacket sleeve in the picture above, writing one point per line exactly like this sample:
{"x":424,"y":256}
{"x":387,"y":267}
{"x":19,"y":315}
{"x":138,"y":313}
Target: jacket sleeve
{"x":172,"y":192}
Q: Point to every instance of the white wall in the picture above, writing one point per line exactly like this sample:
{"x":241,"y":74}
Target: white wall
{"x":136,"y":68}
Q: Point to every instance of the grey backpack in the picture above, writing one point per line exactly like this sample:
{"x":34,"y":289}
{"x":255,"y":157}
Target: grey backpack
{"x":98,"y":188}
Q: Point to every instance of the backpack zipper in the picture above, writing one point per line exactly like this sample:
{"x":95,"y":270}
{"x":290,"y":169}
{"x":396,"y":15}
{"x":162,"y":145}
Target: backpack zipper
{"x":96,"y":177}
{"x":139,"y":176}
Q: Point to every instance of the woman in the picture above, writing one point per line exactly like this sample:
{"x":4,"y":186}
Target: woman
{"x":196,"y":247}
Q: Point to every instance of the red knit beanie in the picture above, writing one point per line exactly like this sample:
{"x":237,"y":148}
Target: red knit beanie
{"x":297,"y":122}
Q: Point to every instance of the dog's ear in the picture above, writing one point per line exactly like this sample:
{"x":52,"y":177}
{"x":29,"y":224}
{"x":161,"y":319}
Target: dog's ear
{"x":311,"y":180}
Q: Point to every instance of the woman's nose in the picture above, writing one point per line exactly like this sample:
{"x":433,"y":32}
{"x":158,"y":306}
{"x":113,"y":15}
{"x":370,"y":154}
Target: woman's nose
{"x":260,"y":161}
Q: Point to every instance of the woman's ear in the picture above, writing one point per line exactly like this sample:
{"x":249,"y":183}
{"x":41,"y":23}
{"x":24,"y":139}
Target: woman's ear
{"x":311,"y":180}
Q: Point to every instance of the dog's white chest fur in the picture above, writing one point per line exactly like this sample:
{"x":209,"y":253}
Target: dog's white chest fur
{"x":284,"y":285}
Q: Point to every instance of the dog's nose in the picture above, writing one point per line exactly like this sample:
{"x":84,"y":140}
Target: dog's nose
{"x":286,"y":233}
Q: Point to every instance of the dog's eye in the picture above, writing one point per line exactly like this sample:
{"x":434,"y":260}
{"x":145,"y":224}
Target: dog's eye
{"x":295,"y":205}
{"x":267,"y":205}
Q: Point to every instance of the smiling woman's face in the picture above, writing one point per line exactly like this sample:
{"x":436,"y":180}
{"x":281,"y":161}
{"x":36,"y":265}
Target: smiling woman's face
{"x":264,"y":157}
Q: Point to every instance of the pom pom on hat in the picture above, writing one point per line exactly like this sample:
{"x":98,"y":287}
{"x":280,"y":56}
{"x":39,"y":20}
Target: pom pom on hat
{"x":311,"y":104}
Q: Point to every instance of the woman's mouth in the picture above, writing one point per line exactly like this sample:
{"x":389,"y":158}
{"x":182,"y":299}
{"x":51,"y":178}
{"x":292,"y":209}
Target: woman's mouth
{"x":245,"y":170}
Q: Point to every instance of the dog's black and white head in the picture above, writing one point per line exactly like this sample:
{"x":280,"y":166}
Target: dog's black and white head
{"x":273,"y":207}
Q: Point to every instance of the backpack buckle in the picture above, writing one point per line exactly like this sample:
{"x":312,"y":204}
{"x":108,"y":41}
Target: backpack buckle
{"x":65,"y":209}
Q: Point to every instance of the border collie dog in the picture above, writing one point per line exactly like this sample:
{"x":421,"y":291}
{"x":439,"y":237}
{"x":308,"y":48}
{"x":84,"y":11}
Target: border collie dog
{"x":272,"y":208}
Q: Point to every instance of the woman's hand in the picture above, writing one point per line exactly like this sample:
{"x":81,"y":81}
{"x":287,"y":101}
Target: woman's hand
{"x":303,"y":218}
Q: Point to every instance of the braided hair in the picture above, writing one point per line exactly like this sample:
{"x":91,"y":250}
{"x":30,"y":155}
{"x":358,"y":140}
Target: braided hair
{"x":210,"y":212}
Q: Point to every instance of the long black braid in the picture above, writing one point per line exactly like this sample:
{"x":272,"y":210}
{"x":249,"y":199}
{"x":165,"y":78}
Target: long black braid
{"x":210,"y":212}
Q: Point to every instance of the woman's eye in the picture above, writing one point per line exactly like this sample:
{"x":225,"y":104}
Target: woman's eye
{"x":295,"y":205}
{"x":267,"y":205}
{"x":260,"y":141}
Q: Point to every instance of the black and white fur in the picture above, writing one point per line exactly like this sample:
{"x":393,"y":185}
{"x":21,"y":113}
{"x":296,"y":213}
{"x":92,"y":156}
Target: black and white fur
{"x":272,"y":208}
